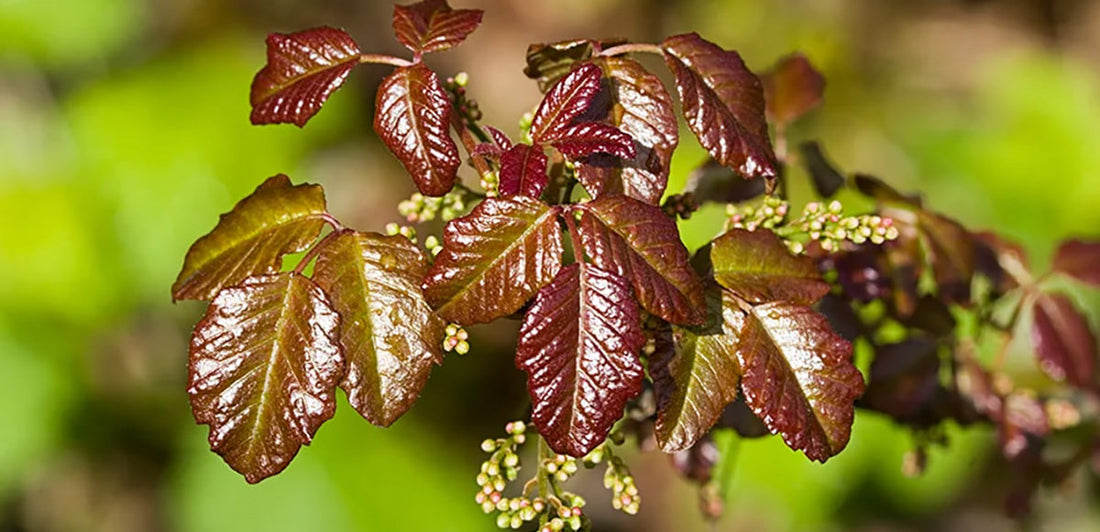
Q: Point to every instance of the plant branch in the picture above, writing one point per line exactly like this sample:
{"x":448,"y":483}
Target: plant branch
{"x":383,"y":59}
{"x":632,"y":47}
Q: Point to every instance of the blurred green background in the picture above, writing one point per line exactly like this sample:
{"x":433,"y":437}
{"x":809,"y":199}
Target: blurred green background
{"x":124,"y":133}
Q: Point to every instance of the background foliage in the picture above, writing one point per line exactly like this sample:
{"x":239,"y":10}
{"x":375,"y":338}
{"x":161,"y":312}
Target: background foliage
{"x":119,"y":117}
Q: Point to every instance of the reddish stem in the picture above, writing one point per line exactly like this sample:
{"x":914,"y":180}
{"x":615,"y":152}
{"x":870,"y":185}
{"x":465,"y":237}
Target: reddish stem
{"x":383,"y":59}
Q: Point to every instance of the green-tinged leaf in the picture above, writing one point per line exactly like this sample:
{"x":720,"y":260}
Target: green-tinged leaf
{"x":757,"y":266}
{"x":1079,"y":259}
{"x":494,"y":259}
{"x":302,"y":70}
{"x":263,"y":371}
{"x":432,"y":26}
{"x":698,"y":377}
{"x":641,"y":108}
{"x":579,"y":346}
{"x":412,"y":116}
{"x":798,"y":377}
{"x":723,"y":102}
{"x":389,"y":334}
{"x":638,"y":242}
{"x":791,"y":88}
{"x":1064,"y":343}
{"x":278,"y":218}
{"x":547,"y":63}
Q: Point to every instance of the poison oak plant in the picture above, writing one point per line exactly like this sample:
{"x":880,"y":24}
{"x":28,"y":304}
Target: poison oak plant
{"x":754,"y":332}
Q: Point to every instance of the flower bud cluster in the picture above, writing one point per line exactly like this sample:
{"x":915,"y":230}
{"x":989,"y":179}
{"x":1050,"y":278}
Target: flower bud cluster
{"x":403,"y":230}
{"x":501,"y":468}
{"x":525,"y":122}
{"x":466,"y":107}
{"x":819,"y":222}
{"x":490,"y":183}
{"x":419,"y":208}
{"x":433,"y":245}
{"x":624,"y":494}
{"x":456,"y":340}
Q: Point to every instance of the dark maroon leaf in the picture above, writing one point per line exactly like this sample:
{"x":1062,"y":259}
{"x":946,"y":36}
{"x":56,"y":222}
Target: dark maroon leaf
{"x":697,"y":379}
{"x":432,"y":26}
{"x":739,"y":417}
{"x":278,"y":218}
{"x":825,"y":178}
{"x":712,"y":182}
{"x":950,"y":249}
{"x":263,"y":371}
{"x":842,"y":318}
{"x":494,"y":259}
{"x":412,"y":117}
{"x":1064,"y":344}
{"x":302,"y":70}
{"x":389,"y":335}
{"x":791,"y":88}
{"x":548,"y":63}
{"x":1079,"y":259}
{"x":567,"y":100}
{"x":587,"y":138}
{"x":523,"y":171}
{"x":579,"y":346}
{"x":798,"y":377}
{"x":502,"y":141}
{"x":697,"y":462}
{"x":1000,"y":260}
{"x":723,"y":102}
{"x":757,"y":266}
{"x":876,"y":188}
{"x":642,"y":109}
{"x":862,"y":273}
{"x":904,"y":378}
{"x":638,"y":242}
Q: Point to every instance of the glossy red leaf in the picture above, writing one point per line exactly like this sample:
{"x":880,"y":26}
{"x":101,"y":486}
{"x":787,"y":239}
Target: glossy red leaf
{"x":905,"y":378}
{"x":523,"y":171}
{"x":302,"y":70}
{"x":757,"y":266}
{"x":791,"y":88}
{"x":389,"y":335}
{"x":723,"y":102}
{"x":499,"y":137}
{"x":494,"y":259}
{"x":547,"y":63}
{"x":696,"y":380}
{"x":432,"y":26}
{"x":1079,"y":259}
{"x":798,"y":377}
{"x":567,"y":100}
{"x":638,"y":242}
{"x":1064,"y":344}
{"x":263,"y":371}
{"x":412,"y":117}
{"x":587,"y":138}
{"x":641,"y":108}
{"x":276,"y":219}
{"x":579,"y":346}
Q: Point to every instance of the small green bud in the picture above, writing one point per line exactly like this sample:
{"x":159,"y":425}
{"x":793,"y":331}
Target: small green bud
{"x":503,"y":520}
{"x":511,"y":460}
{"x":575,"y":522}
{"x":462,"y":347}
{"x":489,"y":445}
{"x":461,"y":79}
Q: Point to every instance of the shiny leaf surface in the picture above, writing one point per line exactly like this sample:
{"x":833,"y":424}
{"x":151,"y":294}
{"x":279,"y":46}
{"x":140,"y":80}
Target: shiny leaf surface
{"x":1064,"y":344}
{"x":389,"y":335}
{"x":1079,"y":259}
{"x":696,"y":380}
{"x":791,"y":88}
{"x":432,"y":26}
{"x":276,"y":219}
{"x":579,"y":346}
{"x":547,"y":63}
{"x":412,"y":117}
{"x":263,"y":371}
{"x":302,"y":70}
{"x":723,"y":102}
{"x":494,"y":259}
{"x":757,"y":266}
{"x":638,"y":242}
{"x":567,"y":100}
{"x":798,"y":377}
{"x":523,"y":171}
{"x":641,"y":108}
{"x":587,"y":138}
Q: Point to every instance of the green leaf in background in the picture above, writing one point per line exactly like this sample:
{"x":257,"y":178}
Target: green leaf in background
{"x":757,"y":266}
